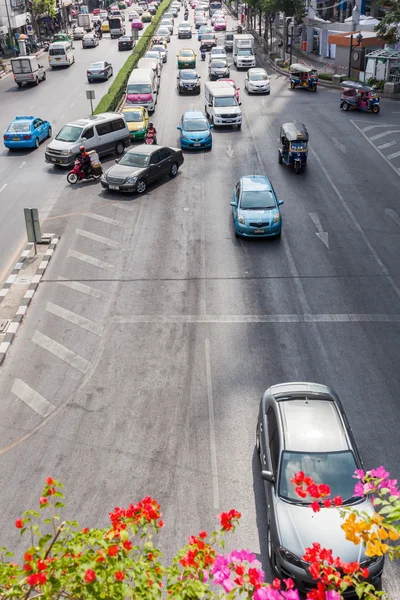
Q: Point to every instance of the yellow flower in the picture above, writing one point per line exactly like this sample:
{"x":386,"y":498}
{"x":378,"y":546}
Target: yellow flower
{"x":393,"y":535}
{"x":382,"y":533}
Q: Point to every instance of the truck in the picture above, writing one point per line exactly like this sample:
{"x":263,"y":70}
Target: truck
{"x":84,"y":20}
{"x":244,"y":55}
{"x":27,"y":69}
{"x":221,"y":106}
{"x":116,"y":24}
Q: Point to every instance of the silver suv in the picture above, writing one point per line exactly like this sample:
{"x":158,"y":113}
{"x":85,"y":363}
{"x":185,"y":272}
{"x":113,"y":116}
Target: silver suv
{"x":302,"y":427}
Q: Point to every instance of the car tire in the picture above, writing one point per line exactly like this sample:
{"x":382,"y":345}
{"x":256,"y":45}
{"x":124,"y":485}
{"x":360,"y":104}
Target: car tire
{"x":37,"y":143}
{"x":37,"y":81}
{"x":90,"y":80}
{"x":49,"y":132}
{"x":346,"y":106}
{"x":44,"y":76}
{"x":141,"y":186}
{"x":19,"y":83}
{"x":111,"y":73}
{"x":280,"y":158}
{"x":119,"y":148}
{"x":174,"y":170}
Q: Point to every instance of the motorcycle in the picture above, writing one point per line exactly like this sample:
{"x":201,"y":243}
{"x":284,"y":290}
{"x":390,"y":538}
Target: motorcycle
{"x":76,"y":174}
{"x":203,"y":54}
{"x":239,"y":29}
{"x":150,"y":138}
{"x":186,"y":16}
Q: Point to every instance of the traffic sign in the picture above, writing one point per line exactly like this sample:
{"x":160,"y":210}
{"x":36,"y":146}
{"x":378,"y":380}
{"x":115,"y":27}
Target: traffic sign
{"x":29,"y":29}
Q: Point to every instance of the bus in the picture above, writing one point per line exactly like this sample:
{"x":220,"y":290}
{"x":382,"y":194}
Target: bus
{"x":214,"y":6}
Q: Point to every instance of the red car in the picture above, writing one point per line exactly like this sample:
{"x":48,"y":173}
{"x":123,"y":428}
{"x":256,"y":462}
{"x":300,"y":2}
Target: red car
{"x":233,"y":84}
{"x":220,"y":25}
{"x":136,"y":24}
{"x":96,"y":11}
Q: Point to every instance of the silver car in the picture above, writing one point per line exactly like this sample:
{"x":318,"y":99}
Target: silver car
{"x":257,"y":81}
{"x":78,"y":33}
{"x":155,"y":55}
{"x":99,"y":70}
{"x":90,"y":40}
{"x":164,"y":33}
{"x":303,"y":427}
{"x":163,"y":52}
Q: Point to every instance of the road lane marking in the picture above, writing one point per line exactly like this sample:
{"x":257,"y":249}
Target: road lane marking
{"x":71,"y":105}
{"x":90,"y":260}
{"x":98,"y":238}
{"x":383,"y":134}
{"x":272,"y":318}
{"x":81,"y":287}
{"x":365,"y":129}
{"x":125,"y":207}
{"x":393,"y":215}
{"x":72,"y":317}
{"x":323,"y":235}
{"x":32,"y":398}
{"x":68,"y":356}
{"x":211,"y":421}
{"x":3,"y":187}
{"x":376,"y":148}
{"x":22,"y":164}
{"x":347,"y":208}
{"x":387,"y":145}
{"x":104,"y":219}
{"x":392,"y":156}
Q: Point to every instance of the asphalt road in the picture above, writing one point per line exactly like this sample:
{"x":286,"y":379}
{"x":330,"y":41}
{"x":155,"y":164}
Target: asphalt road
{"x":25,"y":179}
{"x":154,"y":352}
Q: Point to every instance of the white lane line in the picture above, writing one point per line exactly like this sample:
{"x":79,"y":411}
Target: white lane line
{"x":387,"y":145}
{"x":347,"y":208}
{"x":232,"y":319}
{"x":61,"y":351}
{"x":32,"y":398}
{"x":72,"y":317}
{"x":394,"y":155}
{"x":98,"y":238}
{"x":365,"y":129}
{"x":81,"y":287}
{"x":3,"y":187}
{"x":90,"y":260}
{"x":71,"y":105}
{"x":21,"y":166}
{"x":62,"y":116}
{"x":104,"y":219}
{"x":383,"y":134}
{"x":375,"y":148}
{"x":211,"y":420}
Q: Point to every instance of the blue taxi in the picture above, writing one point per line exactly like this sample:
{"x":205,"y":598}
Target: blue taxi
{"x":26,"y":132}
{"x":195,"y":130}
{"x":255,"y":208}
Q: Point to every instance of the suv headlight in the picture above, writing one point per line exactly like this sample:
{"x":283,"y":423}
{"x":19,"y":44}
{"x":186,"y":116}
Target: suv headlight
{"x":290,"y":557}
{"x":277,"y":217}
{"x":131,"y":180}
{"x":241,"y":219}
{"x":66,"y":152}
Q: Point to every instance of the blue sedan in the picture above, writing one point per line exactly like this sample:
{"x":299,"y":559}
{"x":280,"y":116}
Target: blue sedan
{"x":255,"y":208}
{"x":195,"y":130}
{"x":26,"y":132}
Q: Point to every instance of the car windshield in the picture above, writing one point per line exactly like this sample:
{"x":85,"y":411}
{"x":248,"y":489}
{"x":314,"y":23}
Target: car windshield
{"x":133,"y":117}
{"x":208,"y":36}
{"x":217,"y":51}
{"x":220,"y":21}
{"x":69,"y":133}
{"x":298,"y":145}
{"x":258,"y":76}
{"x":134,"y":160}
{"x":244,"y":52}
{"x":187,"y":74}
{"x":184,"y":26}
{"x":252,"y":200}
{"x":218,"y":64}
{"x":195,"y":124}
{"x":336,"y":469}
{"x":19,"y":126}
{"x":138,"y":88}
{"x":188,"y":53}
{"x":152,"y":55}
{"x":225,"y":101}
{"x":163,"y":31}
{"x":96,"y":65}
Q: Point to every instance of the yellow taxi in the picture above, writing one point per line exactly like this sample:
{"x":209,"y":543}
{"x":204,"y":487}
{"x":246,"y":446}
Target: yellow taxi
{"x":146,"y":17}
{"x":105,"y":27}
{"x":186,"y":59}
{"x":136,"y":118}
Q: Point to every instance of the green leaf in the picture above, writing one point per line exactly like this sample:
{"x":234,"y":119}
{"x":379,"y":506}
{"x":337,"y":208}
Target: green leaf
{"x":59,"y":505}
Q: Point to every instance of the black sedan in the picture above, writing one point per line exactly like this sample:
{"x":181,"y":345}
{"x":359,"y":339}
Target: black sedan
{"x":218,"y":68}
{"x":141,"y":166}
{"x":188,"y":82}
{"x":126,"y":42}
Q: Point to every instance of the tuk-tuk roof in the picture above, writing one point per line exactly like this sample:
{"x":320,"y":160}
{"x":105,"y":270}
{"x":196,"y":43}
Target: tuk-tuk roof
{"x":357,"y":85}
{"x":299,"y":68}
{"x":295,"y":131}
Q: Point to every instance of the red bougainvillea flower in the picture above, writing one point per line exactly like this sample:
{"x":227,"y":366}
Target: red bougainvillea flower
{"x":90,"y":576}
{"x":300,"y":492}
{"x":127,"y":545}
{"x":19,"y":523}
{"x":364,"y":572}
{"x":119,"y":575}
{"x":327,"y":502}
{"x":49,"y":481}
{"x":203,"y":534}
{"x":27,"y":567}
{"x":41,"y":565}
{"x":113,"y":550}
{"x":86,"y":530}
{"x":315,"y":506}
{"x":324,"y":489}
{"x":313,"y":491}
{"x":43,"y":500}
{"x":276,"y":584}
{"x":298,"y":478}
{"x":36,"y":579}
{"x":226,"y":519}
{"x":28,"y":556}
{"x":160,"y":524}
{"x":337,"y":501}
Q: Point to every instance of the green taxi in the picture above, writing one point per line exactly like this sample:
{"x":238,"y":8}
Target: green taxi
{"x":146,"y":17}
{"x":186,"y":59}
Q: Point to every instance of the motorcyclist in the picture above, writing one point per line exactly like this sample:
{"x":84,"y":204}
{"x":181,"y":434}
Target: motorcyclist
{"x":152,"y":132}
{"x":203,"y":50}
{"x":85,"y":161}
{"x":186,"y":15}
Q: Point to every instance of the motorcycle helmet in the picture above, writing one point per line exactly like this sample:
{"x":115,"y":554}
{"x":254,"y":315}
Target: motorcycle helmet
{"x":150,"y":125}
{"x":82,"y":149}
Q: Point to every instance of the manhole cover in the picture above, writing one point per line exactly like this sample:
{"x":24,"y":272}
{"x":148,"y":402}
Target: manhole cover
{"x":4,"y":324}
{"x":23,"y":280}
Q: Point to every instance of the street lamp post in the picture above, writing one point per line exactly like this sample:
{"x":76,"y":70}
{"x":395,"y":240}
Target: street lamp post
{"x":359,"y":38}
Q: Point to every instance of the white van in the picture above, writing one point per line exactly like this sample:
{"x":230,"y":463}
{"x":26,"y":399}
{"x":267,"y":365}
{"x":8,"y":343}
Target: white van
{"x":142,"y":89}
{"x":61,"y":54}
{"x":149,"y":63}
{"x":221,"y":106}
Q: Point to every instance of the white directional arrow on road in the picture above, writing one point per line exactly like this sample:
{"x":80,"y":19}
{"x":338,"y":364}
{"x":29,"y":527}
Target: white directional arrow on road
{"x":230,"y":150}
{"x":323,"y":235}
{"x":393,"y":215}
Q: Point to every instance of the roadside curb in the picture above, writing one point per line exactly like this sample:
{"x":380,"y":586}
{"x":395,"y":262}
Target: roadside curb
{"x":26,"y":300}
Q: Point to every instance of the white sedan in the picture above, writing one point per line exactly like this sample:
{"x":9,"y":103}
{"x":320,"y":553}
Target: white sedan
{"x":257,"y":81}
{"x":218,"y":52}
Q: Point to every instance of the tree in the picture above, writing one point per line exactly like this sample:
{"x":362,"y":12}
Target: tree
{"x":42,"y":8}
{"x":389,"y":26}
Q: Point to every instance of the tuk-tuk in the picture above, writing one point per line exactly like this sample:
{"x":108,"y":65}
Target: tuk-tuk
{"x":293,"y":142}
{"x":62,"y":37}
{"x":303,"y":76}
{"x":356,"y":95}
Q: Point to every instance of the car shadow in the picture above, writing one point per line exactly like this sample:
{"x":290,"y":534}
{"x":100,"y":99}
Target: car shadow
{"x":129,"y":196}
{"x":261,"y":514}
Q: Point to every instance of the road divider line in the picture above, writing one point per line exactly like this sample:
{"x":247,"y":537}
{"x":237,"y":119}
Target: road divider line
{"x":72,"y":317}
{"x":211,"y":421}
{"x":273,"y":318}
{"x":97,"y":238}
{"x":63,"y":353}
{"x":81,"y":287}
{"x":387,"y":145}
{"x":32,"y":398}
{"x":104,"y":219}
{"x":383,"y":134}
{"x":22,"y":164}
{"x":375,"y":148}
{"x":394,"y":155}
{"x":90,"y":260}
{"x":3,"y":187}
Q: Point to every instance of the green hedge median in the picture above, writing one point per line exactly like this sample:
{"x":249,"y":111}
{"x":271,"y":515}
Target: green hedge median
{"x":110,"y":101}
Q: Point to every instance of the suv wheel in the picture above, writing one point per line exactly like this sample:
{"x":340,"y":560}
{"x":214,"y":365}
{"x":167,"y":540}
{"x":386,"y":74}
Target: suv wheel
{"x":119,"y":148}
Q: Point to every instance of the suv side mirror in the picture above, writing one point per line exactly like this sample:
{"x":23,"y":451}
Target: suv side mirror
{"x":268,"y":476}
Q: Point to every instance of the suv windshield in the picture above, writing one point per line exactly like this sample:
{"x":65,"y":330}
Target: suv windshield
{"x":69,"y":133}
{"x":195,"y":125}
{"x":336,"y":469}
{"x":138,"y":88}
{"x":258,"y":200}
{"x":244,"y":52}
{"x":225,"y":101}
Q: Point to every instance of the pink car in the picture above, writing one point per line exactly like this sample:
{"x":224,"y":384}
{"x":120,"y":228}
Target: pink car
{"x":233,"y":84}
{"x":136,"y":24}
{"x":220,"y":25}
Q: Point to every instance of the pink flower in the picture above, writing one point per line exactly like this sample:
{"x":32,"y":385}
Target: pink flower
{"x":359,"y":474}
{"x":228,"y":585}
{"x":291,"y":595}
{"x":241,"y":556}
{"x":379,"y":473}
{"x":332,"y":595}
{"x":267,"y":593}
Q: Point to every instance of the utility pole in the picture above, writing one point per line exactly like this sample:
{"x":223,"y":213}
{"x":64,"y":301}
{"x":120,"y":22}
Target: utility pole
{"x":291,"y":45}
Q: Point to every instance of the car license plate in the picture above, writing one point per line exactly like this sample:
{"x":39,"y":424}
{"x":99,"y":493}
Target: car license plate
{"x":196,"y":144}
{"x":114,"y":187}
{"x":53,"y":160}
{"x":57,"y":59}
{"x":259,"y":231}
{"x":16,"y":139}
{"x":229,"y":120}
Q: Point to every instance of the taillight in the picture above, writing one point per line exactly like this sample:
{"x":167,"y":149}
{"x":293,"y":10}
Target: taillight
{"x":66,"y":58}
{"x":27,"y":137}
{"x":32,"y":76}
